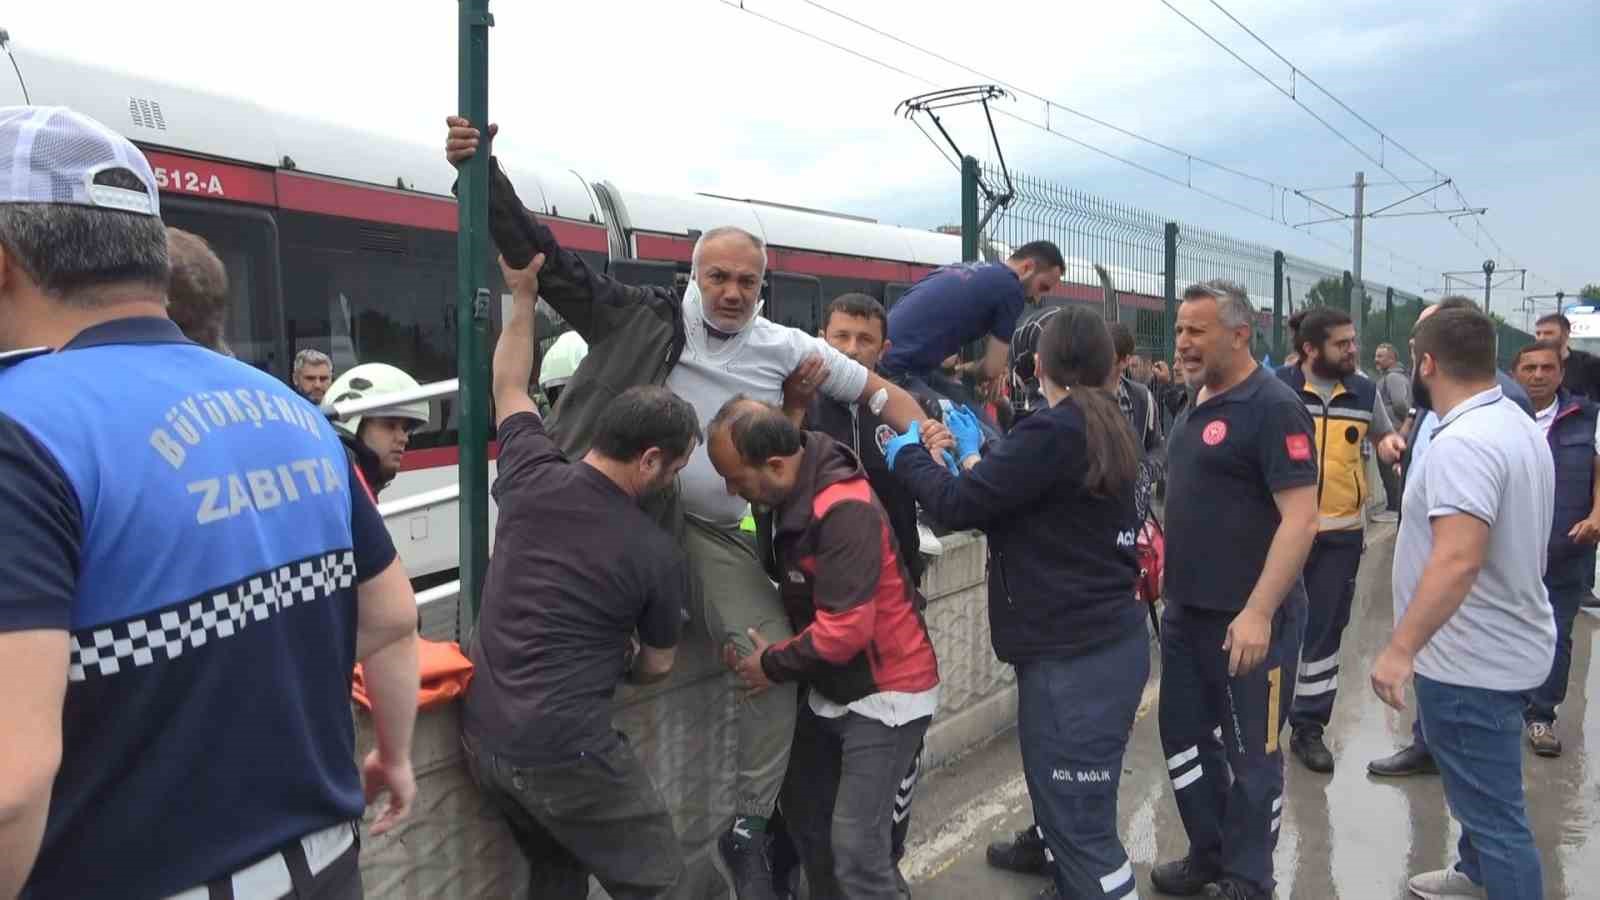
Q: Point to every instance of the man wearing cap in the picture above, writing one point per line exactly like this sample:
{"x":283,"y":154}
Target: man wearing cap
{"x":185,"y":587}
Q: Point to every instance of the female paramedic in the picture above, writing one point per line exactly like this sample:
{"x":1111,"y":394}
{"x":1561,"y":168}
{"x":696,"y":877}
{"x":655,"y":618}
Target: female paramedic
{"x":1055,"y":497}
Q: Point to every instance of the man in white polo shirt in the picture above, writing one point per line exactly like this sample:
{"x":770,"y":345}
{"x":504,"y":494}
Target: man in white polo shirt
{"x":1472,"y":616}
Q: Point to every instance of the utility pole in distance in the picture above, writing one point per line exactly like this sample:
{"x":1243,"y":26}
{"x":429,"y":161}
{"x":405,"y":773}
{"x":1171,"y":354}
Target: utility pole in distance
{"x":1359,"y":216}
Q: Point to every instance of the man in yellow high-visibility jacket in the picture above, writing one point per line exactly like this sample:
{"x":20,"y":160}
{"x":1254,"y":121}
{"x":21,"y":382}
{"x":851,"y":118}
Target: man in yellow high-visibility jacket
{"x":1346,"y":411}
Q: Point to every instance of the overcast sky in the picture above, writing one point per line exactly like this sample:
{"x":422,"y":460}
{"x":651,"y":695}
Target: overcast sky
{"x":697,"y":95}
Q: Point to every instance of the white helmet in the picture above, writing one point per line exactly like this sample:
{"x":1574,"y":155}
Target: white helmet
{"x":375,"y":380}
{"x":562,"y":360}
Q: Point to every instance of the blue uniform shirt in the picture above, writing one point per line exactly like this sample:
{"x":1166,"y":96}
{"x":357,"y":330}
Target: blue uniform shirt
{"x":190,"y":522}
{"x":947,"y":309}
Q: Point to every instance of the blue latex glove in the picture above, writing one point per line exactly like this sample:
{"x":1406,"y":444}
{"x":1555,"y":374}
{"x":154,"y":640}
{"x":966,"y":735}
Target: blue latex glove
{"x":912,"y":437}
{"x":965,"y":428}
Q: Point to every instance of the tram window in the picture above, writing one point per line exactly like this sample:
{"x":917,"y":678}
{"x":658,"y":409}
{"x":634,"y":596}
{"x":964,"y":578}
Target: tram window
{"x":245,"y":240}
{"x":796,"y":301}
{"x":363,"y":292}
{"x":644,"y":272}
{"x":834,"y":288}
{"x":892,"y":292}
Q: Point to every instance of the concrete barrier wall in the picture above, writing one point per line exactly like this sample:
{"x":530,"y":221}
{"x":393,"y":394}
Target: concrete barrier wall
{"x":456,"y":846}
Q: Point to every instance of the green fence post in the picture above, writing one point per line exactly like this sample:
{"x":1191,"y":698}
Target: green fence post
{"x":969,"y":209}
{"x":472,"y":302}
{"x":1170,"y":290}
{"x":1277,"y":306}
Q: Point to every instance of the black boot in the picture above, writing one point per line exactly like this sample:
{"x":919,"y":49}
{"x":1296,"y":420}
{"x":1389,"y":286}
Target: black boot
{"x":1231,"y":889}
{"x":1413,"y":760}
{"x":749,"y":865}
{"x":1307,"y":744}
{"x":1023,"y":853}
{"x":1182,"y":877}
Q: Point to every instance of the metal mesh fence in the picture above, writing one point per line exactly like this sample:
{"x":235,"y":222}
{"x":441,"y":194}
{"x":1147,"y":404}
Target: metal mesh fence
{"x":1123,"y":250}
{"x":1128,"y":243}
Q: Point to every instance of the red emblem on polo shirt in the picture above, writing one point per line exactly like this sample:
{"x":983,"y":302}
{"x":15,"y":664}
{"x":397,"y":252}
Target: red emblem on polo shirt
{"x":1299,"y":447}
{"x":1214,"y":433}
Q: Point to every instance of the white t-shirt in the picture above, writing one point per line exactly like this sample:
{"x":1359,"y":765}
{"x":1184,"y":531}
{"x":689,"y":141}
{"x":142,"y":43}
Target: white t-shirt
{"x":754,"y":363}
{"x":1486,"y":459}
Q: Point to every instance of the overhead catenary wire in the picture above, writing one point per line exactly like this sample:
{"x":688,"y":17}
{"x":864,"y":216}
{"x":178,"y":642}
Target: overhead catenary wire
{"x":1385,"y":140}
{"x":1277,"y":188}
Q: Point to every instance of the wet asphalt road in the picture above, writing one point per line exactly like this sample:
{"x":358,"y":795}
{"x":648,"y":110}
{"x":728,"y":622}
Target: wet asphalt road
{"x":1347,"y":835}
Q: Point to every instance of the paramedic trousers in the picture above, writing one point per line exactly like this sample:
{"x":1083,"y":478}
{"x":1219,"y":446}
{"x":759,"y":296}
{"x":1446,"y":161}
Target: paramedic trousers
{"x":1220,"y":734}
{"x":1074,"y":715}
{"x":1330,"y":576}
{"x":734,"y":594}
{"x":839,"y":801}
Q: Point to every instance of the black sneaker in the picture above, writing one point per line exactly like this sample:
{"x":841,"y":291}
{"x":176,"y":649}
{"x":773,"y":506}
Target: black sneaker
{"x":1413,"y":760}
{"x":1182,"y":877}
{"x":1229,"y":889}
{"x":1307,"y":745}
{"x":749,"y":866}
{"x":1023,"y":853}
{"x":1049,"y":893}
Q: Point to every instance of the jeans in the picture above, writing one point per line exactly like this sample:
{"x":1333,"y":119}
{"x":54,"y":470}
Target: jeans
{"x":838,"y":799}
{"x":1565,"y":582}
{"x":1476,"y":738}
{"x":1074,"y":716}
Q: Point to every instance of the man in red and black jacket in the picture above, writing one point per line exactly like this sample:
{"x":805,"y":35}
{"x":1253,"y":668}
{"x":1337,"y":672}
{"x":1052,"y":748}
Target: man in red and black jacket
{"x":861,"y":647}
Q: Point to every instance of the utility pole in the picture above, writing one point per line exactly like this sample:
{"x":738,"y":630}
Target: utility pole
{"x":1357,"y":299}
{"x":1488,"y":275}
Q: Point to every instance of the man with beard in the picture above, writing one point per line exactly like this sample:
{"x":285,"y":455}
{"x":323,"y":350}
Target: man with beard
{"x":707,"y":347}
{"x":1345,"y":412}
{"x":1416,"y":759}
{"x":577,"y":570}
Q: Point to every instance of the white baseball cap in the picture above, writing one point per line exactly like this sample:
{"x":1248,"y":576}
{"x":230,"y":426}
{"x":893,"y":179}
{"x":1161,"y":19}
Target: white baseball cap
{"x":55,"y":155}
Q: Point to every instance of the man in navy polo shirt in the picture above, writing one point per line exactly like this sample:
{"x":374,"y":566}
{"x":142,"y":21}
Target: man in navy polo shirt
{"x":1241,"y":516}
{"x":954,"y":306}
{"x":186,"y":580}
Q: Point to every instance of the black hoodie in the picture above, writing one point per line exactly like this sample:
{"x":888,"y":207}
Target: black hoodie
{"x":365,"y":462}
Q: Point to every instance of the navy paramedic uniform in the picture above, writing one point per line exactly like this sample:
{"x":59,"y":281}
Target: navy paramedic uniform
{"x":1062,"y":567}
{"x":1220,"y":734}
{"x":190,"y":521}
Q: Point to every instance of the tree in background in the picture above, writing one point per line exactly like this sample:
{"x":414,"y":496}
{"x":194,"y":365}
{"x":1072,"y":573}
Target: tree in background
{"x":1590,"y":292}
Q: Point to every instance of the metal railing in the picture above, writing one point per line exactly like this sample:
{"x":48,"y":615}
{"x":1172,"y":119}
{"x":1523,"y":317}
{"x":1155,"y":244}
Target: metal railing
{"x":427,"y":500}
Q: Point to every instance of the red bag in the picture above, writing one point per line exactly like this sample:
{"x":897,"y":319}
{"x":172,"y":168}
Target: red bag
{"x":1151,"y":549}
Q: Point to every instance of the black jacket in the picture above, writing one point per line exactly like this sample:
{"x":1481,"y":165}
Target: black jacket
{"x":635,"y":334}
{"x":366,"y":462}
{"x":857,"y":428}
{"x":1062,"y":561}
